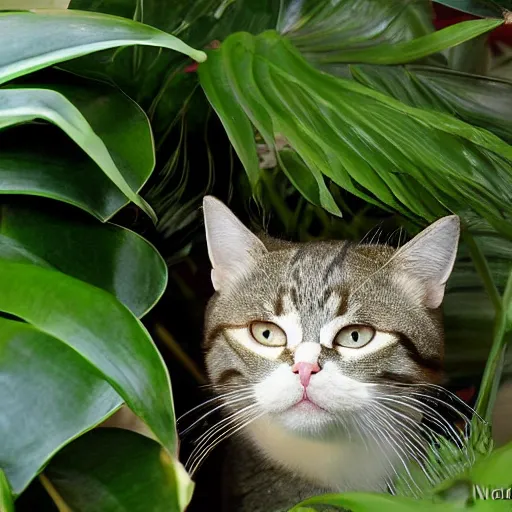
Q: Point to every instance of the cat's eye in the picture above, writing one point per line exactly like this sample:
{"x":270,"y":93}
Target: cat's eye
{"x":268,"y":334}
{"x":354,"y":336}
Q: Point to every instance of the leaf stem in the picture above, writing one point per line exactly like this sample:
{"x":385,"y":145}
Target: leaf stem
{"x":166,"y":337}
{"x":54,"y":495}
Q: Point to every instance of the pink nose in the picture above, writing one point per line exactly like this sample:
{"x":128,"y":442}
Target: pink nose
{"x":305,"y":370}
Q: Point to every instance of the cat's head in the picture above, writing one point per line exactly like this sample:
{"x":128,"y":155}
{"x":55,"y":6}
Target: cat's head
{"x":310,"y":332}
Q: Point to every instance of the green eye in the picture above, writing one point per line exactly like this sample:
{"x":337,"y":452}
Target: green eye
{"x":354,"y":336}
{"x":268,"y":334}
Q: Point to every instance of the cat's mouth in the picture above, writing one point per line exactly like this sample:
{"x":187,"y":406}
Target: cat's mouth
{"x":306,"y":404}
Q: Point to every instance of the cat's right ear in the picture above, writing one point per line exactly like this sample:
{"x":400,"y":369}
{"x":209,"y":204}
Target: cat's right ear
{"x":232,"y":248}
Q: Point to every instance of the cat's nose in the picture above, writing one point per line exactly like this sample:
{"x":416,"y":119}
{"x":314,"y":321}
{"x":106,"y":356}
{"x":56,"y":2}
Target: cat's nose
{"x":305,"y":370}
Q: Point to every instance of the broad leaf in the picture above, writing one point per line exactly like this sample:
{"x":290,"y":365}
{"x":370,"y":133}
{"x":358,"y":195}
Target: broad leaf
{"x":417,"y":162}
{"x":6,"y":502}
{"x":20,"y":105}
{"x":49,"y":37}
{"x":100,"y":329}
{"x":409,"y":51}
{"x":54,"y":167}
{"x":115,"y":470}
{"x":110,"y":257}
{"x":49,"y":395}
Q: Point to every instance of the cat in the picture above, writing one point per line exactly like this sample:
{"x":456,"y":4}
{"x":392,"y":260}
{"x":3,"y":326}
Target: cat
{"x":316,"y":351}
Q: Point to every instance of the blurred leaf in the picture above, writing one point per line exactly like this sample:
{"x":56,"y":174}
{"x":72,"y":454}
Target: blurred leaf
{"x":21,"y":105}
{"x":495,"y":470}
{"x":478,"y":100}
{"x":43,"y":407}
{"x":48,"y":37}
{"x":415,"y":161}
{"x":409,"y":51}
{"x":468,"y":311}
{"x":101,"y":330}
{"x":19,"y":5}
{"x":110,"y":257}
{"x":473,"y":56}
{"x":6,"y":503}
{"x":320,"y":27}
{"x":87,"y":476}
{"x":483,"y":8}
{"x":370,"y":502}
{"x":54,"y":167}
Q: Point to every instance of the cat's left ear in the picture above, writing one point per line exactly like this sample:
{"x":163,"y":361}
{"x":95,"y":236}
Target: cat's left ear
{"x":430,"y":256}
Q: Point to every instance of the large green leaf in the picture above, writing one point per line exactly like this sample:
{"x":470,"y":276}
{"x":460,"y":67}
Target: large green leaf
{"x":110,"y":257}
{"x":6,"y":502}
{"x":418,"y":162}
{"x":99,"y":328}
{"x":49,"y":395}
{"x":54,"y":167}
{"x":48,"y":37}
{"x":408,"y":51}
{"x":22,"y":105}
{"x":113,"y":470}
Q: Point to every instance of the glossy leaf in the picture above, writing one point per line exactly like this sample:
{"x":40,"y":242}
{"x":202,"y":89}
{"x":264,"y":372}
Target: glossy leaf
{"x":54,"y":167}
{"x":409,"y":51}
{"x":43,"y":407}
{"x":48,"y":37}
{"x":321,"y":27}
{"x":101,"y":330}
{"x":21,"y":105}
{"x":6,"y":502}
{"x":107,"y":256}
{"x":415,"y":161}
{"x":484,"y":8}
{"x":115,"y":470}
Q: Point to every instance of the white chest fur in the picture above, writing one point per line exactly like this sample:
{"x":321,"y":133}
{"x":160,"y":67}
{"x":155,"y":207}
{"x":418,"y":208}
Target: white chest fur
{"x":337,"y":465}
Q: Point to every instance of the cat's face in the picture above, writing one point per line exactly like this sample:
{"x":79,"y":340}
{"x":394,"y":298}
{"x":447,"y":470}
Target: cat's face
{"x":310,"y":333}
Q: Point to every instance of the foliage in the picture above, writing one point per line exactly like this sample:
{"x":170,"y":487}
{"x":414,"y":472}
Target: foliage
{"x":332,"y":122}
{"x":72,"y":287}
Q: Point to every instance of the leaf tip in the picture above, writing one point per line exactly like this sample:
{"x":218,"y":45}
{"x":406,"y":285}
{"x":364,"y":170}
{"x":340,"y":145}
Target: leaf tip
{"x":199,"y":56}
